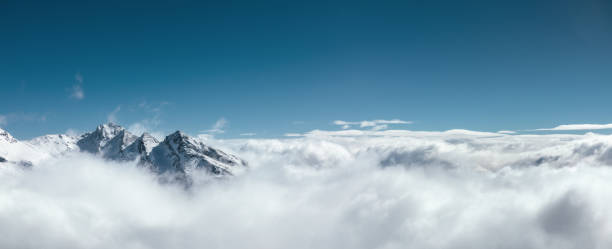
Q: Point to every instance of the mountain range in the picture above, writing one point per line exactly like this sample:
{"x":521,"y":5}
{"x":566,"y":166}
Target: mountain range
{"x":178,"y":154}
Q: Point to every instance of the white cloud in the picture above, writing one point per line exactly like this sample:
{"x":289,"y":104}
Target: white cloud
{"x":77,"y":89}
{"x":574,"y":127}
{"x":381,"y":189}
{"x":112,"y":116}
{"x":139,"y":128}
{"x":248,"y":134}
{"x":150,"y":124}
{"x":378,"y":124}
{"x":72,"y":132}
{"x":5,"y":119}
{"x":218,"y":127}
{"x":506,"y":132}
{"x":293,"y":135}
{"x":78,"y":78}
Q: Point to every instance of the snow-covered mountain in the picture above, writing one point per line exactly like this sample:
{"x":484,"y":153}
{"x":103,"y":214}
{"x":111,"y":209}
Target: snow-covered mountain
{"x":17,"y":152}
{"x":181,"y":153}
{"x":56,"y":144}
{"x":6,"y":137}
{"x":176,"y":154}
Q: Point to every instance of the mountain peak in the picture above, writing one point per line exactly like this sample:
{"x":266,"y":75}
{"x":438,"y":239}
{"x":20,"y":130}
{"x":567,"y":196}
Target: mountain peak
{"x":4,"y":135}
{"x":178,"y":133}
{"x":109,"y":129}
{"x":95,"y":141}
{"x":180,"y":153}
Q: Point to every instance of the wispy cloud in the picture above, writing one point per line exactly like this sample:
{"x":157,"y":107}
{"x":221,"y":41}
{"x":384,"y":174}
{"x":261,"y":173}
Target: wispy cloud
{"x":575,"y":127}
{"x":72,"y":132}
{"x":379,"y":124}
{"x":5,"y":119}
{"x":112,"y":116}
{"x":293,"y":135}
{"x":218,"y":127}
{"x":507,"y":132}
{"x":77,"y":89}
{"x":151,"y":123}
{"x":248,"y":134}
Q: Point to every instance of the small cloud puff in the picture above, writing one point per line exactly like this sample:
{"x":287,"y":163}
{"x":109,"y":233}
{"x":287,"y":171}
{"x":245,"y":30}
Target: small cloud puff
{"x":218,"y":127}
{"x":77,"y":89}
{"x":112,"y":116}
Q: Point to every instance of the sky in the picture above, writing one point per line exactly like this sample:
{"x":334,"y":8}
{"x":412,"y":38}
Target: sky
{"x":268,"y":68}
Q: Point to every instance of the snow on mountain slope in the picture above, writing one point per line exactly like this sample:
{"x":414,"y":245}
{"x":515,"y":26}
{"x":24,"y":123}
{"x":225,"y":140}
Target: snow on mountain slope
{"x":22,"y":153}
{"x":179,"y":153}
{"x":97,"y":140}
{"x":55,"y":144}
{"x":6,"y":137}
{"x":140,"y":148}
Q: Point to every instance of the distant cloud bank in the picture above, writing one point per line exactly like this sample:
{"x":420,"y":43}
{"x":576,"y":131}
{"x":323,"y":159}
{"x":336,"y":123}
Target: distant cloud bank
{"x":575,"y":127}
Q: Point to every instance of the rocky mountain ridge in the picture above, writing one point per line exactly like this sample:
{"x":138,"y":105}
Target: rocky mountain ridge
{"x":177,"y":154}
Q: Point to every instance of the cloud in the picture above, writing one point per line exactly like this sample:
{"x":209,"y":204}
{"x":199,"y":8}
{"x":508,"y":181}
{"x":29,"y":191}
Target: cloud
{"x":248,"y":134}
{"x":575,"y":127}
{"x":218,"y":127}
{"x":139,"y":128}
{"x":112,"y":116}
{"x":506,"y":132}
{"x":5,"y":119}
{"x":77,"y":89}
{"x":452,"y":189}
{"x":72,"y":132}
{"x":379,"y":124}
{"x":151,"y":123}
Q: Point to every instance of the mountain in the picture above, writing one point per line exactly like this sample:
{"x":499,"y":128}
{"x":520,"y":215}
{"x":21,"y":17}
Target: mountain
{"x":17,"y":152}
{"x":56,"y":144}
{"x":184,"y":154}
{"x":140,"y":148}
{"x":178,"y":154}
{"x":108,"y":139}
{"x":6,"y":137}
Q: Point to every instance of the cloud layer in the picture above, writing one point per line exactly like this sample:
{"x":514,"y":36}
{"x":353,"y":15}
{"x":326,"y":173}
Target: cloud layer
{"x":454,"y":189}
{"x":575,"y":127}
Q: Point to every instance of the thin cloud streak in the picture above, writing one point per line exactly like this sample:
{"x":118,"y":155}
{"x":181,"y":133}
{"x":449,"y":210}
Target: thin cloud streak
{"x":77,"y":90}
{"x":576,"y":127}
{"x":378,"y":124}
{"x":218,"y":127}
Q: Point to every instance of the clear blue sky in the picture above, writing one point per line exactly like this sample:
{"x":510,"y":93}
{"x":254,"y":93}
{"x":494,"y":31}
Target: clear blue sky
{"x":263,"y":65}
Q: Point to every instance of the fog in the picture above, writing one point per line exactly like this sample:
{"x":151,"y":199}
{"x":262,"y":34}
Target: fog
{"x":417,"y":190}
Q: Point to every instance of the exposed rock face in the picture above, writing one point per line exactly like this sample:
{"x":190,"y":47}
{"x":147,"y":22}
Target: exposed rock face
{"x":106,"y":139}
{"x":178,"y":154}
{"x":183,"y":154}
{"x":5,"y":136}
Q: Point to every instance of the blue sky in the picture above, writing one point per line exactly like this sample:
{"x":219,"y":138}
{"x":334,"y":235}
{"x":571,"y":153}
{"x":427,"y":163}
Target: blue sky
{"x":272,"y":68}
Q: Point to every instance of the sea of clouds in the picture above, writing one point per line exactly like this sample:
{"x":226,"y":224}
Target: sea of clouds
{"x":347,"y":189}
